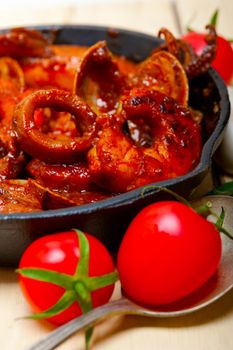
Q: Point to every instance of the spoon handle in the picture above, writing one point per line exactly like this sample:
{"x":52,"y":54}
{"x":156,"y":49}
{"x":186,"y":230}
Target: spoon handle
{"x":60,"y":334}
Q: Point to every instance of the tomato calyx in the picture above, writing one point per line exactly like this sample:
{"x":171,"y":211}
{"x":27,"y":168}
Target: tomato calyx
{"x":77,"y":287}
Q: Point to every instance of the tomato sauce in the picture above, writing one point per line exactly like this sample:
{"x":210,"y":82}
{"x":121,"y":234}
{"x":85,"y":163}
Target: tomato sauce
{"x":122,"y":125}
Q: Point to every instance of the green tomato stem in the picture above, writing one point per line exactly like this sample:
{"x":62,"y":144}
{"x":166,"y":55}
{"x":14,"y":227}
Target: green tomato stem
{"x":225,"y":189}
{"x":214,"y":18}
{"x":82,"y":292}
{"x":83,"y":264}
{"x":67,"y":299}
{"x":60,"y":279}
{"x":102,"y":281}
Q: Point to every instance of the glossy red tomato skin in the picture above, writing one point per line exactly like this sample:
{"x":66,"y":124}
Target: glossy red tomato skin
{"x":223,"y":62}
{"x":168,"y":251}
{"x":60,"y":252}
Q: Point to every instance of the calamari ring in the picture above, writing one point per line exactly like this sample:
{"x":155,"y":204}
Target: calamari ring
{"x":163,"y":72}
{"x":172,"y":147}
{"x":175,"y":136}
{"x":11,"y":70}
{"x":98,"y":79}
{"x":40,"y":145}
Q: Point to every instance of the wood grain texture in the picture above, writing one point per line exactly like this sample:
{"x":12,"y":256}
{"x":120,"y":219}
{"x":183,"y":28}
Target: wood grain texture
{"x":197,"y":14}
{"x":210,"y":328}
{"x":206,"y":329}
{"x":147,"y":16}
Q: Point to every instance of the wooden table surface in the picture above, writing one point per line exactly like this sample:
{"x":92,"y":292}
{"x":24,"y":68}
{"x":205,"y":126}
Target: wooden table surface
{"x":207,"y":329}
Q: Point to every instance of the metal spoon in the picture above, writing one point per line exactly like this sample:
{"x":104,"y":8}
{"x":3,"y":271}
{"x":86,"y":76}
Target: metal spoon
{"x":214,"y":289}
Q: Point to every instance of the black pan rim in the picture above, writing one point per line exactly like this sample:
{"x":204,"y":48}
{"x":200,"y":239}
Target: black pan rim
{"x":132,"y":196}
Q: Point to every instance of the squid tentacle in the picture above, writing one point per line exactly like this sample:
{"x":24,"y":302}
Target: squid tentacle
{"x":193,"y":64}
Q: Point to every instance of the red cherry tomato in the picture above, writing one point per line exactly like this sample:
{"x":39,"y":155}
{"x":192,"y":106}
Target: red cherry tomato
{"x":223,"y":62}
{"x":168,"y":251}
{"x":60,"y":252}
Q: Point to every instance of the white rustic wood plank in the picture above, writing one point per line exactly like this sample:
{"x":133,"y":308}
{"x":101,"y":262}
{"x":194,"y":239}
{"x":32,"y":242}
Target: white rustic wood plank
{"x":142,"y":15}
{"x":199,"y":13}
{"x":207,"y":329}
{"x":21,"y":16}
{"x":147,"y":16}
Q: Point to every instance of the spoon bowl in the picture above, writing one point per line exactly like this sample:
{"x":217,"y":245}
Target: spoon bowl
{"x":218,"y":285}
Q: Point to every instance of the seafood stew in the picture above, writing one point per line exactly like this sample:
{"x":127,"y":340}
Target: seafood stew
{"x":81,"y":124}
{"x":108,"y":219}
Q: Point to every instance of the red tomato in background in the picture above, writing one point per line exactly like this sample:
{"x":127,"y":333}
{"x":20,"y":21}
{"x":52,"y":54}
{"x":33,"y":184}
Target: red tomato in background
{"x":168,"y":251}
{"x":60,"y":252}
{"x":223,"y":62}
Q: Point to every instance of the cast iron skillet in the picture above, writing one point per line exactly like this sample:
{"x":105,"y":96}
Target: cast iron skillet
{"x":108,"y":219}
